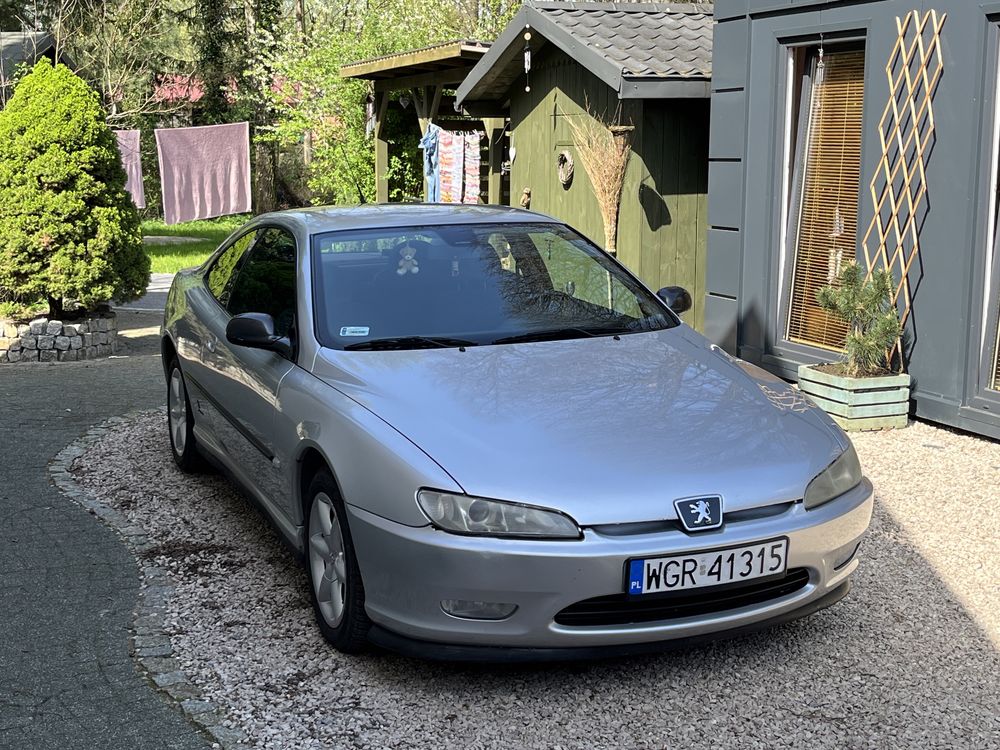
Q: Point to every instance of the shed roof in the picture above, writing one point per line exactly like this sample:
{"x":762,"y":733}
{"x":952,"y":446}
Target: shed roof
{"x":455,"y":57}
{"x":641,"y":50}
{"x":18,"y":47}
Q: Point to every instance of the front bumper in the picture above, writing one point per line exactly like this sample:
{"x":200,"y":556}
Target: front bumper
{"x":514,"y":654}
{"x":408,"y":572}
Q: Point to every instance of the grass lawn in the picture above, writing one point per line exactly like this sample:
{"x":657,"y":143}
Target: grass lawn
{"x":172,"y":258}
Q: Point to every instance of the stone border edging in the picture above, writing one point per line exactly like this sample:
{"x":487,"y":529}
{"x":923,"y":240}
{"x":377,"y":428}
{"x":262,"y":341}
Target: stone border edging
{"x":44,"y":340}
{"x":149,"y":640}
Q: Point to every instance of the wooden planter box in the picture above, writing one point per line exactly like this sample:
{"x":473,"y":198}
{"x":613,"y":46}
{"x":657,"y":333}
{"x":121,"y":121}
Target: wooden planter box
{"x":858,"y":403}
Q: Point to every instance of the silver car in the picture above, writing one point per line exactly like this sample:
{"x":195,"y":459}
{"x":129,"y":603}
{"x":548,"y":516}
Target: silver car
{"x":488,"y":440}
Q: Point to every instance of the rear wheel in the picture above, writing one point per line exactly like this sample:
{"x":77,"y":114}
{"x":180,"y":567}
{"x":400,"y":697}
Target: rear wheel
{"x":180,"y":421}
{"x":338,"y":594}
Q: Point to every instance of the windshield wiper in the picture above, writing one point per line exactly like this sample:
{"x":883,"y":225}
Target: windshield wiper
{"x":409,"y":342}
{"x":554,"y":334}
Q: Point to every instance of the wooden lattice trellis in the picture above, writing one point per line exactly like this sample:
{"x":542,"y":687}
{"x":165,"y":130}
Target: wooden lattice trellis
{"x":906,"y":130}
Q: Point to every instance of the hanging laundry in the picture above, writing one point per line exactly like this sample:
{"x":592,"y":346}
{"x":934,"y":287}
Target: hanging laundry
{"x":204,"y":171}
{"x":452,"y":165}
{"x":446,"y":164}
{"x":430,"y":143}
{"x":473,"y":158}
{"x":131,"y":154}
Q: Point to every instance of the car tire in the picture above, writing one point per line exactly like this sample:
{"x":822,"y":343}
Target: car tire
{"x":335,"y":585}
{"x":180,"y":422}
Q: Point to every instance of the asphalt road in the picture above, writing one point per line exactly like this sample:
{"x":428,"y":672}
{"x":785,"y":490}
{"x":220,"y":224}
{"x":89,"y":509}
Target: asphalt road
{"x":67,"y":583}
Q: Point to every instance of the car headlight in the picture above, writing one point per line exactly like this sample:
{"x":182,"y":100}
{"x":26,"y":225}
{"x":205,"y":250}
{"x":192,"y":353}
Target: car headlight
{"x":842,"y":475}
{"x":462,"y":514}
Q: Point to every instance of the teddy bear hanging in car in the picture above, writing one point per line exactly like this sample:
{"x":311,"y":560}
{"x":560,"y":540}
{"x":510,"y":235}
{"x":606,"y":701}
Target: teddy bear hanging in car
{"x":407,"y":260}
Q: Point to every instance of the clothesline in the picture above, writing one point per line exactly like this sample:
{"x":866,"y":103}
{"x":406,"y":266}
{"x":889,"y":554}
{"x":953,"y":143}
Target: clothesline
{"x":452,"y":160}
{"x":204,"y":170}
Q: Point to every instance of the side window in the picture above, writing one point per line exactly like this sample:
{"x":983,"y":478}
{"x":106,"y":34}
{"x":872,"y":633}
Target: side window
{"x":266,"y":281}
{"x":221,"y":272}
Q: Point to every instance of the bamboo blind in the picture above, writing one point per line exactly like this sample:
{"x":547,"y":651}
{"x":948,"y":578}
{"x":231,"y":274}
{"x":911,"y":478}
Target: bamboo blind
{"x":906,"y":132}
{"x":828,"y":213}
{"x":995,"y":384}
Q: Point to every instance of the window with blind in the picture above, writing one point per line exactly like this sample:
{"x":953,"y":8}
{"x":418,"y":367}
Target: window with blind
{"x":992,"y":341}
{"x":990,"y":372}
{"x":995,"y":380}
{"x":824,"y":195}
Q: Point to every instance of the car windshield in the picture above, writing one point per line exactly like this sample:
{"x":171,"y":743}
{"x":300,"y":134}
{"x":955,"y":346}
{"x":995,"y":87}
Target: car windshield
{"x":472,"y":284}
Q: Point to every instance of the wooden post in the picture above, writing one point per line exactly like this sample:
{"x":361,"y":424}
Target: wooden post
{"x":494,"y":127}
{"x":426,"y":102}
{"x":381,"y":148}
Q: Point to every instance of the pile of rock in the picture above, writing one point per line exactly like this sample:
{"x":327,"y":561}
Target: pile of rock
{"x":44,"y":340}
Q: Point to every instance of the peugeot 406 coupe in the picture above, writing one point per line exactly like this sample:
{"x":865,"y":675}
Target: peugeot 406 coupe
{"x":488,"y":440}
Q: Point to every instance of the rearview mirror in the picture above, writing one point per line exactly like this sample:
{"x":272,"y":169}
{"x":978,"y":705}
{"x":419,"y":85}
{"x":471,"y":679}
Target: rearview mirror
{"x":676,"y":297}
{"x":256,"y":331}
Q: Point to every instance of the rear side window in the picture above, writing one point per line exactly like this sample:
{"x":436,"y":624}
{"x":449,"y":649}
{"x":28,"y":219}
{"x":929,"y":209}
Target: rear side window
{"x":266,"y":280}
{"x":223,"y":269}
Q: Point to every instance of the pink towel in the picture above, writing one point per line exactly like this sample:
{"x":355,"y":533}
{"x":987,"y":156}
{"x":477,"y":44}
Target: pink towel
{"x":450,"y":155}
{"x":472,"y":160}
{"x":128,"y":147}
{"x":204,"y":171}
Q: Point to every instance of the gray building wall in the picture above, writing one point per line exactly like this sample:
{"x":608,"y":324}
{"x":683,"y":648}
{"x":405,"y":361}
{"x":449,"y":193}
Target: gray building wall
{"x":745,"y":188}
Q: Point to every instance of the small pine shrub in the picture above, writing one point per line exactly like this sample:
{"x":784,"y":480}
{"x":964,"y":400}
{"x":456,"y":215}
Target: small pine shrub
{"x":865,"y":305}
{"x":68,"y":230}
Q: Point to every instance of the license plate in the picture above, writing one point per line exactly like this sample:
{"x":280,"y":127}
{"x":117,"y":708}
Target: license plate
{"x":656,"y":575}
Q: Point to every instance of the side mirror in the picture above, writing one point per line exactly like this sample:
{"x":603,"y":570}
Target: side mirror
{"x":256,"y":331}
{"x":676,"y":297}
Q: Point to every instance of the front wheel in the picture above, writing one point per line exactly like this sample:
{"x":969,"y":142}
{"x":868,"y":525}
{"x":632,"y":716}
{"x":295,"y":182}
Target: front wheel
{"x":338,"y":594}
{"x":180,"y":421}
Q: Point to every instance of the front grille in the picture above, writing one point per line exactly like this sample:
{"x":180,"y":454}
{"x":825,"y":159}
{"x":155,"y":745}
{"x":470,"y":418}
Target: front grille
{"x":619,"y":609}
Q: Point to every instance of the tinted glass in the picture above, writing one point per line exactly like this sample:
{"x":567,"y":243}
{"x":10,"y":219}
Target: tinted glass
{"x":473,"y":283}
{"x":221,"y":272}
{"x":266,"y":280}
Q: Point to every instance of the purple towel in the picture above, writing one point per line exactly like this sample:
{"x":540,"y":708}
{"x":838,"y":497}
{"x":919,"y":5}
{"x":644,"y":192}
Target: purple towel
{"x":204,"y":171}
{"x":128,"y":147}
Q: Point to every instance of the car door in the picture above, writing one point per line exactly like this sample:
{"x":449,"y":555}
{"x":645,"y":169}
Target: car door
{"x":242,"y":381}
{"x":198,"y":333}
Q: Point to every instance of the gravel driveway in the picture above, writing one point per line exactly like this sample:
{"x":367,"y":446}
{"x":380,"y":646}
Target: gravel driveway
{"x":909,"y":659}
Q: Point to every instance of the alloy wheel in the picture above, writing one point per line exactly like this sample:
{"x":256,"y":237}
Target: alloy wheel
{"x":177,"y":411}
{"x":327,"y":559}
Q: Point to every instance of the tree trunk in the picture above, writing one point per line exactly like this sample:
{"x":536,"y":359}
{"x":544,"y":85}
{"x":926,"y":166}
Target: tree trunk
{"x":264,"y":189}
{"x":55,"y":308}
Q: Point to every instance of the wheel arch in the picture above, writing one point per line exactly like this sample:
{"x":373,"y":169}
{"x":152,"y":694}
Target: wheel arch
{"x":310,"y":461}
{"x":167,"y":353}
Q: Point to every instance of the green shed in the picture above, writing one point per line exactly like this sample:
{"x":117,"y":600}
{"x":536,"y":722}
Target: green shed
{"x":556,"y":60}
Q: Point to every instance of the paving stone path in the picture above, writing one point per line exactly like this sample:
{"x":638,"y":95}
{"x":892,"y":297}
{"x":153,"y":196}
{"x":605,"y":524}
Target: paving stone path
{"x":68,"y":585}
{"x":156,"y":294}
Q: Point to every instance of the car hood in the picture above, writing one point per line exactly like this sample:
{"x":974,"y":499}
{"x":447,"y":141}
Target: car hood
{"x":609,"y":431}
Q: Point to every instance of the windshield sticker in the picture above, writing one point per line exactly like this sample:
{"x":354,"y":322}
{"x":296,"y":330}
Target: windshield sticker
{"x":354,"y":331}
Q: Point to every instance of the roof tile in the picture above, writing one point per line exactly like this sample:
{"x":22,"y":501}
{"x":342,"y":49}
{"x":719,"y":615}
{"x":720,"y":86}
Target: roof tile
{"x":658,"y":43}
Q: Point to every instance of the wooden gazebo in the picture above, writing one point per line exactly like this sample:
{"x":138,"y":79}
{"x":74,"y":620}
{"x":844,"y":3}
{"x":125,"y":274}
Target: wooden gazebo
{"x":427,"y":74}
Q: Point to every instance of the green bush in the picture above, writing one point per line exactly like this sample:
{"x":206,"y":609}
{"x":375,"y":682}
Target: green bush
{"x":865,"y":304}
{"x":68,"y":230}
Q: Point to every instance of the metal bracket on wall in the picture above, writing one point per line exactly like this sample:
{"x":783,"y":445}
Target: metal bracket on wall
{"x":906,"y":133}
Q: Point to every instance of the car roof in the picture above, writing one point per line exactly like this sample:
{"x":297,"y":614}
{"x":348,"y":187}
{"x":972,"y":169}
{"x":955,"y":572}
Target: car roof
{"x":320,"y":219}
